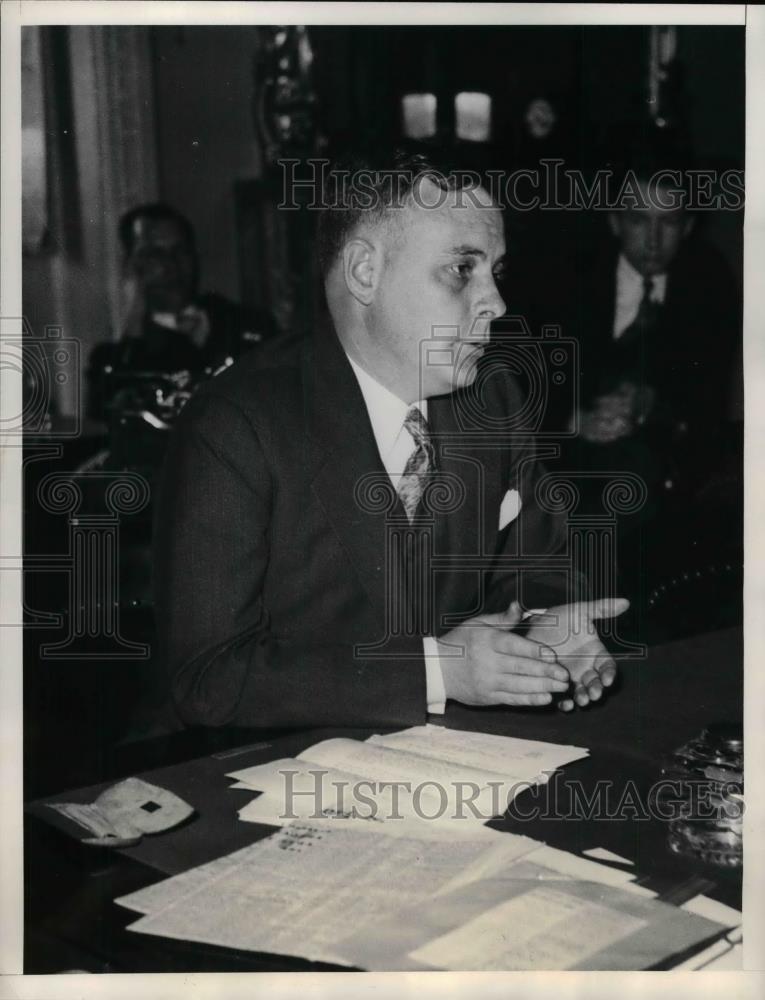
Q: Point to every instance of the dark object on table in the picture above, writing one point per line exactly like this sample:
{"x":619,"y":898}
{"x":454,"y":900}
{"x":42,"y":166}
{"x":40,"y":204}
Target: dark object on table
{"x":710,"y":771}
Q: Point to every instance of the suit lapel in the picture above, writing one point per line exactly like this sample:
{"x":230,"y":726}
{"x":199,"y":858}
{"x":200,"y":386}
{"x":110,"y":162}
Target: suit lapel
{"x":349,"y":479}
{"x":470,"y":530}
{"x":348,"y":475}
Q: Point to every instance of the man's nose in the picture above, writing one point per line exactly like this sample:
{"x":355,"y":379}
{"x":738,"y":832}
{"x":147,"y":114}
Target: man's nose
{"x":655,"y":236}
{"x":167,"y":269}
{"x":491,"y":305}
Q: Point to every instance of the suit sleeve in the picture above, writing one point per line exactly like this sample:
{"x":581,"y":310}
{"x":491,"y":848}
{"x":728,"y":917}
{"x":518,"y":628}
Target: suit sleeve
{"x":212,"y":547}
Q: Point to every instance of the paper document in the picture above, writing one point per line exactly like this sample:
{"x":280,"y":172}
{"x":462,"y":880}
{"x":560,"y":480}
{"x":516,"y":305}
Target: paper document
{"x":268,"y":810}
{"x":504,"y":755}
{"x":602,"y":854}
{"x":156,"y":897}
{"x":383,"y":763}
{"x":420,"y":891}
{"x":530,"y":918}
{"x":426,"y":772}
{"x":304,"y":888}
{"x":299,"y":789}
{"x":544,"y":928}
{"x":574,"y":867}
{"x":703,"y":906}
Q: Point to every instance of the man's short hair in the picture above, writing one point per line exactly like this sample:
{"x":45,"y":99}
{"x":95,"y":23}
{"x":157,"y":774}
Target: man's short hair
{"x":363,"y":188}
{"x":647,"y":153}
{"x":155,"y":212}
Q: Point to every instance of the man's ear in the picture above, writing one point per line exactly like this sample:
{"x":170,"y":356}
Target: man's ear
{"x":690,"y":222}
{"x":361,"y":269}
{"x":613,"y":224}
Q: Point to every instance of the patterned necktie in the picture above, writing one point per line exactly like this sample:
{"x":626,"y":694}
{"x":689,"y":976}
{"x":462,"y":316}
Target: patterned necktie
{"x":420,"y":465}
{"x":647,"y":316}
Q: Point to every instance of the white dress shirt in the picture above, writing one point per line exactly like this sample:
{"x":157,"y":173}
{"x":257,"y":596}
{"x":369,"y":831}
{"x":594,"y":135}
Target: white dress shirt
{"x":395,"y":444}
{"x":629,"y":294}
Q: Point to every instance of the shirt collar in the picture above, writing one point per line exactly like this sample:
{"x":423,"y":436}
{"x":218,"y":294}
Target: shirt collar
{"x":386,"y":411}
{"x":629,"y":278}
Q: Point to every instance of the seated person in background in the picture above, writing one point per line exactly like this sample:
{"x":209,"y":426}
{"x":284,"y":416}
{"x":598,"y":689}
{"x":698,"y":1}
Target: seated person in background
{"x":659,"y":325}
{"x":169,"y":325}
{"x":277,"y":578}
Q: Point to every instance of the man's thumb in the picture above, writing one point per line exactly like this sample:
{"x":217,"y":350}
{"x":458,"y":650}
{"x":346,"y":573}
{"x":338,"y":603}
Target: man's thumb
{"x":505,"y":619}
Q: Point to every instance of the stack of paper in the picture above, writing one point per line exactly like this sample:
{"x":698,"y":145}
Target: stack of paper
{"x":421,"y":884}
{"x":351,"y":896}
{"x":307,"y":887}
{"x":531,"y":917}
{"x":426,"y":774}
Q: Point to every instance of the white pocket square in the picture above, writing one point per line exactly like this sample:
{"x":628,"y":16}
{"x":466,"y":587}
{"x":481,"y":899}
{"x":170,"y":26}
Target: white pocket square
{"x":510,"y":509}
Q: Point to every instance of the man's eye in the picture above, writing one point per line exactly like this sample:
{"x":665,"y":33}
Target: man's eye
{"x":500,"y":273}
{"x":463,"y":270}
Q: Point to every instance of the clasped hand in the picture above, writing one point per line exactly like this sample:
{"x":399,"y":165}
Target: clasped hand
{"x":615,"y":415}
{"x":485,"y":662}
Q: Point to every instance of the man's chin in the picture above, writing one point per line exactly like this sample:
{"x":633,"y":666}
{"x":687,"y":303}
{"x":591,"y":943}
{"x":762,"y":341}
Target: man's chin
{"x":461,"y":375}
{"x":166,"y":300}
{"x":650,"y":268}
{"x":465,"y":373}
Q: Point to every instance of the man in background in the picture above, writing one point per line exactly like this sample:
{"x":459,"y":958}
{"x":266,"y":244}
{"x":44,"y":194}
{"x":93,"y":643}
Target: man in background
{"x":170,"y":325}
{"x":657,"y":314}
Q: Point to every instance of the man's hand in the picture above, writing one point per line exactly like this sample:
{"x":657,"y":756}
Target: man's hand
{"x":615,"y":415}
{"x":484,"y":663}
{"x":569,"y":629}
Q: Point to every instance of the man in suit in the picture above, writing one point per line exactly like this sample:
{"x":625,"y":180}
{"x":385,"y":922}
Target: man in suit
{"x":348,"y":540}
{"x":170,"y":325}
{"x":657,"y":315}
{"x":661,"y":313}
{"x":660,"y":329}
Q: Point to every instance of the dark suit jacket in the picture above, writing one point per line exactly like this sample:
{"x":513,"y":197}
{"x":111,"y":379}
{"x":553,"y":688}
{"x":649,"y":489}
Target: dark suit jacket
{"x":687,"y":362}
{"x":689,"y":356}
{"x":689,"y":359}
{"x":271,"y":556}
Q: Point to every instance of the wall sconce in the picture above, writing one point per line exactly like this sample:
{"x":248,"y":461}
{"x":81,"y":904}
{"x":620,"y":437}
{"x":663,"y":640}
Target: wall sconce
{"x":419,"y":114}
{"x":472,"y":114}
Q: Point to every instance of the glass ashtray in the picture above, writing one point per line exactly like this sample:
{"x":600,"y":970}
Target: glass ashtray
{"x":706,"y":776}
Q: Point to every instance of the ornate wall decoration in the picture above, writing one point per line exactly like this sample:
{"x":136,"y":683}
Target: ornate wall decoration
{"x":285,"y":101}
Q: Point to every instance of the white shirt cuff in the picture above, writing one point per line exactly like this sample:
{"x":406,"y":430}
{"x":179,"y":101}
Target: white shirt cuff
{"x":434,"y":678}
{"x":435,"y":691}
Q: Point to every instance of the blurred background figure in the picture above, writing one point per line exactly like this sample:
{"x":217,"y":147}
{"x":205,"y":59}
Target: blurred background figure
{"x":658,"y":315}
{"x":173,"y":337}
{"x":169,"y":325}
